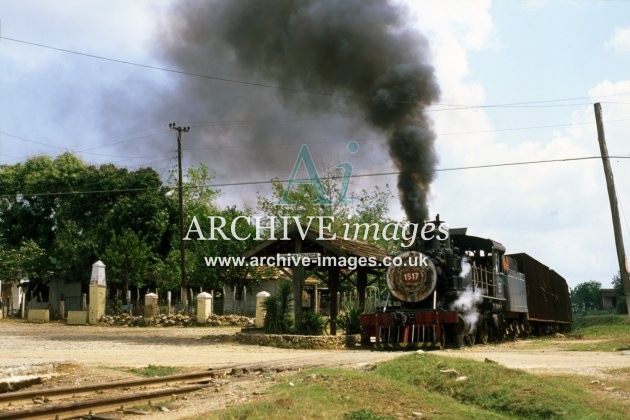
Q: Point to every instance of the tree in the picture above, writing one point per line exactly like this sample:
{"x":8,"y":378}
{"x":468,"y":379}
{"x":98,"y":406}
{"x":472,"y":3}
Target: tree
{"x":199,"y":202}
{"x":587,"y":296}
{"x":71,"y":210}
{"x":213,"y":277}
{"x":128,"y":259}
{"x":367,"y":207}
{"x":617,"y":284}
{"x":27,"y":261}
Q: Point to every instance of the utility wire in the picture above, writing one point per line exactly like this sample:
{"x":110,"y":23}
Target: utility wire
{"x":84,"y":151}
{"x":297,"y":90}
{"x":241,"y":183}
{"x":248,"y":122}
{"x":170,"y":70}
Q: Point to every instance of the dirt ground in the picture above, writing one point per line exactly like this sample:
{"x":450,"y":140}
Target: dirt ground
{"x":24,"y":343}
{"x":90,"y":354}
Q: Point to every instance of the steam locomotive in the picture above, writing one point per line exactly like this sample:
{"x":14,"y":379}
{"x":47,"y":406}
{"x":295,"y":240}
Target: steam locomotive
{"x":466,"y":289}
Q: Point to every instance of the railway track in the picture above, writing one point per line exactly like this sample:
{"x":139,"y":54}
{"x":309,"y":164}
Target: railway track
{"x":73,"y":402}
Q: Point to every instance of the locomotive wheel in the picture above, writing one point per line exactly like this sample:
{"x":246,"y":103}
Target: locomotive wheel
{"x":459,"y":341}
{"x":482,"y":332}
{"x":455,"y":336}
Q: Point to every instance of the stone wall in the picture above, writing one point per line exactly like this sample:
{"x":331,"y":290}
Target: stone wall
{"x":300,"y":341}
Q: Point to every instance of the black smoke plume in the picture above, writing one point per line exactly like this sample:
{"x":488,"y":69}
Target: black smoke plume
{"x":360,"y":55}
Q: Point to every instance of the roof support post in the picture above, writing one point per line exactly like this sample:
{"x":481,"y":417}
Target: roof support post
{"x":298,"y":281}
{"x":333,"y":286}
{"x":361,"y":285}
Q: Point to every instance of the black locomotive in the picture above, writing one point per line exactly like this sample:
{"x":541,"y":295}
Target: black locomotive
{"x":464,"y":289}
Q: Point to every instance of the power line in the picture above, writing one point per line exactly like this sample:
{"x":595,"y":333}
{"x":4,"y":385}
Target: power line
{"x":170,"y":70}
{"x":456,"y":168}
{"x":32,"y":141}
{"x":219,"y":123}
{"x":243,"y":183}
{"x":536,"y":103}
{"x":65,"y":149}
{"x":108,"y":144}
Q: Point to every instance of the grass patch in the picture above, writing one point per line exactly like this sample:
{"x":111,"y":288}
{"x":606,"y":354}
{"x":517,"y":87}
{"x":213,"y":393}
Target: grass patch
{"x":603,"y":345}
{"x":155,"y":370}
{"x":349,"y":394}
{"x":498,"y":389}
{"x":585,"y":321}
{"x":600,"y":332}
{"x":427,"y":384}
{"x":611,"y":331}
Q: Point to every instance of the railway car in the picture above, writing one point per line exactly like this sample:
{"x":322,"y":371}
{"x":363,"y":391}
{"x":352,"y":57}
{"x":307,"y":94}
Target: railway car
{"x":465,"y":289}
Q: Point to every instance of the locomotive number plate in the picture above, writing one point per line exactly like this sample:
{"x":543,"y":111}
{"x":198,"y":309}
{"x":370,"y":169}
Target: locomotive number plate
{"x":414,"y":279}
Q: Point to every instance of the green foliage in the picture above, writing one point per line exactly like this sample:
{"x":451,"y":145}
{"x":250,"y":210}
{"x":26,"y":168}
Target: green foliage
{"x":365,"y":208}
{"x":278,"y":310}
{"x":622,"y":307}
{"x":128,"y":259}
{"x":27,"y":261}
{"x":312,"y":323}
{"x":212,"y":277}
{"x":74,"y":227}
{"x":606,"y":332}
{"x":364,"y":414}
{"x":586,"y":321}
{"x":156,"y":370}
{"x":304,"y":198}
{"x":587,"y":296}
{"x":348,"y":319}
{"x":97,"y":214}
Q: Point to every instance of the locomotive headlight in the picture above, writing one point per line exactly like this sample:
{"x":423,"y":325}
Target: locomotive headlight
{"x":414,"y":279}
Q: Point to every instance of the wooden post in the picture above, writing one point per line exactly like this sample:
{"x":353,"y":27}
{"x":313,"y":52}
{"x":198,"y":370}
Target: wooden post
{"x":23,"y":301}
{"x":315,"y":299}
{"x":333,"y":287}
{"x":298,"y":280}
{"x":614,"y":207}
{"x":361,"y":285}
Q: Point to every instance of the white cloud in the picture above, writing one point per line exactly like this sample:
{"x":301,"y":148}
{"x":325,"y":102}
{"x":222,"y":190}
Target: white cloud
{"x":615,"y":99}
{"x":620,"y":40}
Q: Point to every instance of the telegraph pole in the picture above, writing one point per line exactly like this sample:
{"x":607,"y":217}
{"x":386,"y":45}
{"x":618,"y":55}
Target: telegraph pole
{"x":614,"y":207}
{"x":182,"y":255}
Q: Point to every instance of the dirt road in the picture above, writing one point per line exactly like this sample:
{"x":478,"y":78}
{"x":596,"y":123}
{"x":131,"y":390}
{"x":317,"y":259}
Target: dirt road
{"x":24,"y":343}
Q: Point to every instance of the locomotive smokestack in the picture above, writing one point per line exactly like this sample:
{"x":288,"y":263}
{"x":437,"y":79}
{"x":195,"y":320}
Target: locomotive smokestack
{"x":357,"y":53}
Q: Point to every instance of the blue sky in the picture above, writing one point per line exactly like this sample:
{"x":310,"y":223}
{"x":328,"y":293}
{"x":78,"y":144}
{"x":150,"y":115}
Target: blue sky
{"x":485,"y":54}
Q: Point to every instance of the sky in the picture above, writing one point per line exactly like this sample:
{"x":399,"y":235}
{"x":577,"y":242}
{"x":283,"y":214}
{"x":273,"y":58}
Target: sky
{"x":518,"y":81}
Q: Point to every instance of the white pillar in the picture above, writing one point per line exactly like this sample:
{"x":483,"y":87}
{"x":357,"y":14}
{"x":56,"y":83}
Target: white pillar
{"x":150,"y":305}
{"x":98,"y":289}
{"x":204,"y":307}
{"x":261,"y":297}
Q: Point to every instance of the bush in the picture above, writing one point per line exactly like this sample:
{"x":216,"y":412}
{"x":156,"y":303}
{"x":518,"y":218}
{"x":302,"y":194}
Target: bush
{"x":277,"y":310}
{"x":348,"y":319}
{"x":622,"y":308}
{"x":312,"y":323}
